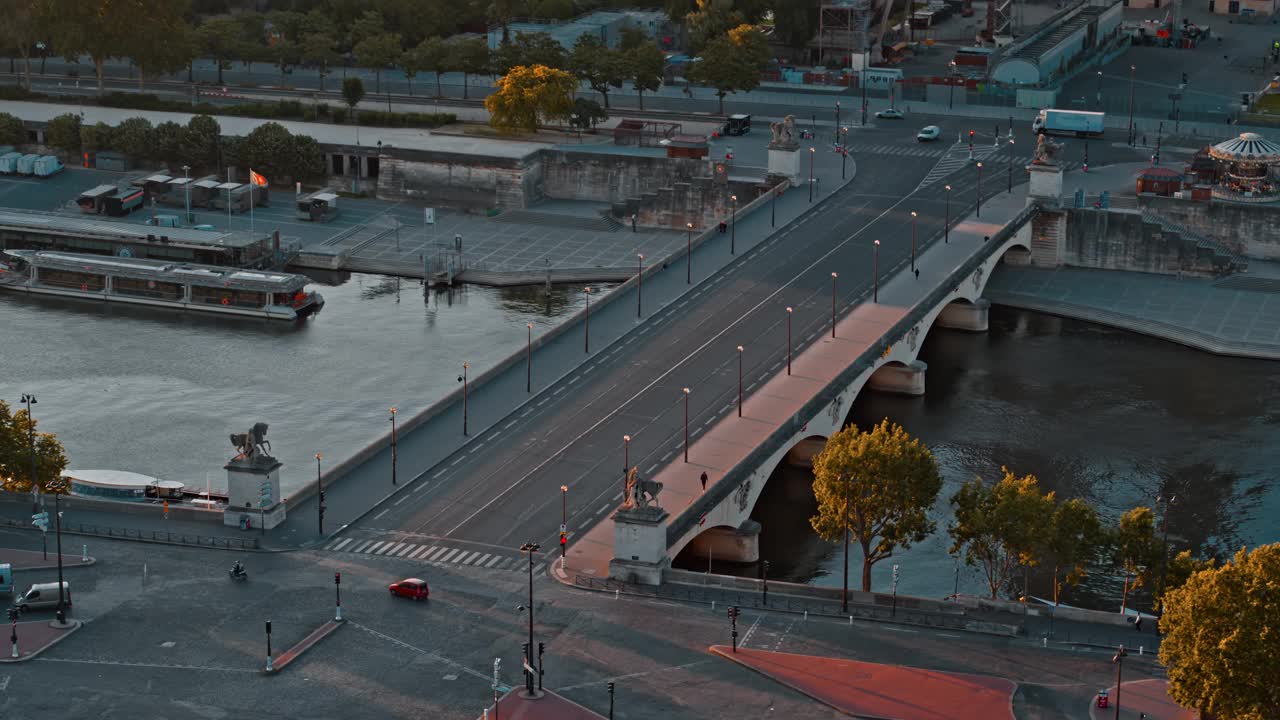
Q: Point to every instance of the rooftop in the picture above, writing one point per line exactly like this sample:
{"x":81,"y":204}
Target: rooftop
{"x":1033,"y":50}
{"x":52,"y":223}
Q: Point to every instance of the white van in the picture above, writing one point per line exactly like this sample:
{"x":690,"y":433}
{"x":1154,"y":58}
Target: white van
{"x":44,"y":595}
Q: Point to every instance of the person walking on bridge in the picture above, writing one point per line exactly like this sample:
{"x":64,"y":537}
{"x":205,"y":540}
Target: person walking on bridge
{"x":704,"y":481}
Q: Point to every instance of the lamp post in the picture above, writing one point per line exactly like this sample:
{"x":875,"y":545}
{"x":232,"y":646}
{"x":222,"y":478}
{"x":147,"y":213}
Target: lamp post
{"x":337,"y":597}
{"x":951,"y":86}
{"x":1010,"y":164}
{"x":789,"y":311}
{"x":394,"y":457}
{"x":186,"y":185}
{"x":564,"y":519}
{"x":626,"y":453}
{"x":739,"y":381}
{"x":946,"y":226}
{"x":1164,"y":531}
{"x":463,"y":379}
{"x":586,"y":326}
{"x":29,"y":400}
{"x":319,"y":496}
{"x":913,"y":241}
{"x":530,"y":548}
{"x":528,"y":358}
{"x":1098,"y":103}
{"x":688,"y":253}
{"x":812,"y":152}
{"x":1132,"y":69}
{"x":844,"y":593}
{"x":837,"y":113}
{"x":686,"y":425}
{"x":639,"y":282}
{"x":1118,"y":659}
{"x":875,"y":269}
{"x":978,"y":207}
{"x":773,"y":208}
{"x":844,"y":149}
{"x":862,"y":80}
{"x":733,"y":227}
{"x":57,"y":486}
{"x":833,"y":304}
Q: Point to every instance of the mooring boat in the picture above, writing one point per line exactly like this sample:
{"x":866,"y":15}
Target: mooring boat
{"x":206,"y":288}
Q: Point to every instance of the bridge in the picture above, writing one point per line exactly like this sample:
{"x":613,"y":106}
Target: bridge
{"x":786,"y":417}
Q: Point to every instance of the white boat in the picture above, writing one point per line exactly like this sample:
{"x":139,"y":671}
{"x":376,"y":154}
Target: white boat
{"x":160,"y":283}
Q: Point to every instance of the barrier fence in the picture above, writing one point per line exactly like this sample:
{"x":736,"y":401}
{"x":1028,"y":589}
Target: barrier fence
{"x":160,"y":536}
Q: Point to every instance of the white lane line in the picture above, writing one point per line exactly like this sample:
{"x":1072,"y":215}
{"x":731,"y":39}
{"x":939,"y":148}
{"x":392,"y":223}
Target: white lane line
{"x":450,"y":554}
{"x":558,"y":390}
{"x":338,"y":545}
{"x":668,"y":456}
{"x":495,"y":435}
{"x":752,"y":386}
{"x":465,"y":557}
{"x":651,"y":469}
{"x":602,"y":508}
{"x":618,"y":497}
{"x":422,"y":485}
{"x":483,"y":558}
{"x":496,"y":559}
{"x":898,"y":629}
{"x":422,"y":550}
{"x":410,"y":547}
{"x":402,"y":499}
{"x":360,"y":546}
{"x":379,"y":515}
{"x":507,"y":564}
{"x":433,"y":555}
{"x":726,"y":407}
{"x":456,"y":461}
{"x":373,"y":548}
{"x":509,"y":425}
{"x":942,"y":634}
{"x":543,"y":401}
{"x":390,"y":548}
{"x":526,"y":412}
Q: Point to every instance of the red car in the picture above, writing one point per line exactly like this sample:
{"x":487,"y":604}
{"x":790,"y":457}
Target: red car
{"x":413,"y":588}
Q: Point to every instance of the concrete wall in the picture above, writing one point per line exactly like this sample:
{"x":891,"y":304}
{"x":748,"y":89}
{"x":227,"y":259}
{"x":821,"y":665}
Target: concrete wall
{"x":1124,"y":241}
{"x":464,"y":182}
{"x":1250,"y":230}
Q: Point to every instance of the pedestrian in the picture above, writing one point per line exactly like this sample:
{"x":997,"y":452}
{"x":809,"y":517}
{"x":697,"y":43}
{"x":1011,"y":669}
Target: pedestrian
{"x":633,"y":222}
{"x":986,"y":238}
{"x":704,"y":481}
{"x":917,"y":273}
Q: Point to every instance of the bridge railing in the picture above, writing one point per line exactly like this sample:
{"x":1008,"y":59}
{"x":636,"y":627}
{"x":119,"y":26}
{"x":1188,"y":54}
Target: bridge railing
{"x":688,"y":519}
{"x":157,"y":536}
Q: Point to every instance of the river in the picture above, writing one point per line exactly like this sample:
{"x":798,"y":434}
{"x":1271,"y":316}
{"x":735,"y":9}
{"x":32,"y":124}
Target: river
{"x":158,"y":392}
{"x":1106,"y":415}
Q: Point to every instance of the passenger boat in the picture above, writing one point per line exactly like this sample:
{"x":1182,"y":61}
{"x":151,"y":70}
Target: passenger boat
{"x":161,"y":283}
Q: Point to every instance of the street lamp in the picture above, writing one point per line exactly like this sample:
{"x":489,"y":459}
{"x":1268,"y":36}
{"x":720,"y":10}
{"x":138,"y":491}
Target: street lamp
{"x":393,"y":446}
{"x":812,"y":152}
{"x":789,"y":311}
{"x":946,"y":227}
{"x":186,"y":185}
{"x":586,"y":326}
{"x":844,"y":593}
{"x":875,"y":265}
{"x":626,"y":453}
{"x":913,"y":241}
{"x":639,"y":282}
{"x":686,"y":425}
{"x":528,"y":358}
{"x":1010,"y":164}
{"x":1118,"y":659}
{"x":29,"y":400}
{"x":564,"y":519}
{"x":951,"y":86}
{"x":978,"y":207}
{"x":739,"y":381}
{"x":688,"y":253}
{"x":837,"y":113}
{"x":844,"y":149}
{"x":833,"y":305}
{"x":463,"y":379}
{"x":773,"y":208}
{"x":1132,"y":69}
{"x":57,"y":486}
{"x":319,"y":496}
{"x":733,"y":226}
{"x":1164,"y":530}
{"x":1098,"y":104}
{"x":531,"y":548}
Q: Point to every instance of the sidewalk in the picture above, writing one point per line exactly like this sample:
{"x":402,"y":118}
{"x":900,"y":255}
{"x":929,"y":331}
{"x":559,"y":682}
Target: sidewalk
{"x":873,"y":690}
{"x":36,"y":560}
{"x":514,"y":706}
{"x":36,"y":636}
{"x":1143,"y":696}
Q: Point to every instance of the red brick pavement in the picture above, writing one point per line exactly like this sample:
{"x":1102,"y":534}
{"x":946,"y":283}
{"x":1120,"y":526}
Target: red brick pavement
{"x":548,"y":707}
{"x":35,"y":560}
{"x":34,"y":637}
{"x":885,"y":691}
{"x":1143,"y":696}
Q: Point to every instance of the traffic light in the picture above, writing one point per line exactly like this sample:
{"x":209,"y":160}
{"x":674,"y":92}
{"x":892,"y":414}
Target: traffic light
{"x":337,"y":578}
{"x":524,"y":648}
{"x":1184,"y":78}
{"x":13,"y":614}
{"x":542,"y":647}
{"x":970,"y":135}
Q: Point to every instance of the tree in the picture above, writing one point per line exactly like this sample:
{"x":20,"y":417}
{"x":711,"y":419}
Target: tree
{"x":202,"y":139}
{"x":527,"y":96}
{"x":275,"y":152}
{"x":318,"y":49}
{"x":644,"y":68}
{"x":586,"y":114}
{"x":528,"y":49}
{"x":285,"y":54}
{"x":469,"y":56}
{"x":597,"y":65}
{"x":731,"y":63}
{"x":370,"y":24}
{"x":219,"y":38}
{"x":12,"y":131}
{"x":633,"y":38}
{"x":169,"y":137}
{"x":136,"y":138}
{"x":15,"y":452}
{"x":352,"y":93}
{"x":1070,"y":540}
{"x":878,"y":486}
{"x":796,"y":22}
{"x":63,"y":133}
{"x":711,"y":19}
{"x":1220,"y":636}
{"x":98,"y":136}
{"x":501,"y":12}
{"x":377,"y":53}
{"x":171,"y":54}
{"x":1137,"y":549}
{"x":996,"y":525}
{"x":25,"y":24}
{"x":1181,"y":567}
{"x":431,"y":55}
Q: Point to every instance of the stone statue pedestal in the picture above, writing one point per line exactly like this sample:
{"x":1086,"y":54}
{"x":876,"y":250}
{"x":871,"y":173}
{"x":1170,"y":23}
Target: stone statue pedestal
{"x":1045,"y":185}
{"x":784,"y":161}
{"x":639,"y":545}
{"x":253,"y":493}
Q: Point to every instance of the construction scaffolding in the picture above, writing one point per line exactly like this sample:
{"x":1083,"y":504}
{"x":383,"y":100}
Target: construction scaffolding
{"x":842,"y":31}
{"x":999,"y":20}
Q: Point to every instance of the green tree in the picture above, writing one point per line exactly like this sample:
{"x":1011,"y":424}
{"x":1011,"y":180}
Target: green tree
{"x":711,"y":19}
{"x":202,"y":139}
{"x":1181,"y":567}
{"x":275,"y":152}
{"x":352,"y":93}
{"x":101,"y":29}
{"x":633,"y":38}
{"x":287,"y":24}
{"x":501,"y":12}
{"x":63,"y":133}
{"x":529,"y":49}
{"x":731,"y":63}
{"x":219,"y":38}
{"x":878,"y":486}
{"x":552,"y":9}
{"x":996,"y":526}
{"x":586,"y":114}
{"x":1070,"y":541}
{"x":644,"y":68}
{"x":16,"y":429}
{"x":1220,"y":637}
{"x":26,"y":22}
{"x":369,"y":25}
{"x":12,"y":131}
{"x":528,"y":96}
{"x":469,"y":56}
{"x":377,"y":53}
{"x":136,"y":138}
{"x":98,"y":136}
{"x":597,"y":65}
{"x":431,"y":55}
{"x":285,"y":54}
{"x":169,"y":137}
{"x":1137,"y":549}
{"x":169,"y":55}
{"x":796,"y":22}
{"x":318,"y":49}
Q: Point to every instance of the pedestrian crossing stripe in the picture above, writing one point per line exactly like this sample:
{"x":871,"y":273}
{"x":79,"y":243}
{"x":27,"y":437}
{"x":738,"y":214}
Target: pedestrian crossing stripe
{"x":439,"y":555}
{"x":342,"y":544}
{"x":448,"y":557}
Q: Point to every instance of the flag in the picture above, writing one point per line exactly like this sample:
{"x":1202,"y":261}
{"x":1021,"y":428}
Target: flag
{"x":256,"y":179}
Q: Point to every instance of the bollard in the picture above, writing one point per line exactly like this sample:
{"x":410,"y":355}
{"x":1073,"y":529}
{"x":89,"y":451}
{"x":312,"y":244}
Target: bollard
{"x":615,"y":593}
{"x":806,"y":614}
{"x":850,"y":621}
{"x":84,"y":556}
{"x":1140,"y":651}
{"x":1044,"y":642}
{"x":713,"y":606}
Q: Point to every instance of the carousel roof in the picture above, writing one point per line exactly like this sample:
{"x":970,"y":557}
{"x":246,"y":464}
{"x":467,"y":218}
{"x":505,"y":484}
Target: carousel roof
{"x":1249,"y":147}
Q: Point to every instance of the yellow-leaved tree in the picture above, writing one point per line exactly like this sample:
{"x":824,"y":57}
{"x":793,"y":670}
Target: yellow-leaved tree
{"x":528,"y":95}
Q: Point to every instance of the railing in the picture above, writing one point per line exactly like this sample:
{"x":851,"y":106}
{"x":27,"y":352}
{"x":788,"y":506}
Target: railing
{"x":159,"y":536}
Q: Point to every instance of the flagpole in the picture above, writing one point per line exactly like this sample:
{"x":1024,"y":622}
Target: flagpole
{"x":252,"y":190}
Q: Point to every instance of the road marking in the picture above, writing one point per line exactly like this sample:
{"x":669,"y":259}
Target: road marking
{"x":747,"y":635}
{"x":390,"y":548}
{"x":594,"y":683}
{"x":123,"y":663}
{"x":465,"y":557}
{"x":384,"y":512}
{"x":361,"y":546}
{"x":495,"y":435}
{"x":402,"y":499}
{"x":422,"y":484}
{"x":482,"y":559}
{"x":538,"y":568}
{"x":451,"y":663}
{"x":456,"y":461}
{"x":526,"y":411}
{"x":543,"y":401}
{"x":508,"y":425}
{"x":669,"y":454}
{"x":602,"y":508}
{"x":446,"y":558}
{"x":752,"y":386}
{"x":338,"y":545}
{"x":898,"y":629}
{"x":942,"y":634}
{"x":496,"y":559}
{"x":651,"y":469}
{"x":558,"y":390}
{"x":422,"y":550}
{"x":437,"y":552}
{"x":726,"y":407}
{"x":409,"y":547}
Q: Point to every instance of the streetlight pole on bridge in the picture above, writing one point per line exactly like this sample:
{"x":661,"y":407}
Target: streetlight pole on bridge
{"x":639,"y":283}
{"x":393,"y":446}
{"x":626,"y":454}
{"x":913,"y":241}
{"x":686,"y":425}
{"x":833,"y":304}
{"x":789,"y":312}
{"x":978,"y":208}
{"x":463,"y":379}
{"x":739,"y":381}
{"x":688,"y":253}
{"x":812,"y":151}
{"x":528,"y":358}
{"x":586,"y":325}
{"x":946,"y":227}
{"x":875,"y":264}
{"x":733,"y":227}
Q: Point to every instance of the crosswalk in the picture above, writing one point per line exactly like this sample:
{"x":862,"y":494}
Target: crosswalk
{"x":439,"y":555}
{"x":920,"y":150}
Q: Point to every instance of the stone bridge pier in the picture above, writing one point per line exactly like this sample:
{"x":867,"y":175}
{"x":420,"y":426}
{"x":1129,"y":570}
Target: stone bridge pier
{"x":727,"y":544}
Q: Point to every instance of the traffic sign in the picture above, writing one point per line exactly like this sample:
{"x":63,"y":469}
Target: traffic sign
{"x":563,"y":529}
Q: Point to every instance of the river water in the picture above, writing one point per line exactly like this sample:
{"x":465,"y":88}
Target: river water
{"x":1102,"y":414}
{"x":158,"y":392}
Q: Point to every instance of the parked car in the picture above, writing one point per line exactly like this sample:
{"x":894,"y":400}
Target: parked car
{"x":412,"y":588}
{"x":929,"y":133}
{"x":890,"y":114}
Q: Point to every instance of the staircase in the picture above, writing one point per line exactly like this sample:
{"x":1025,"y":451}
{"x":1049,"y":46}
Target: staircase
{"x":1047,"y":230}
{"x":1222,"y":254}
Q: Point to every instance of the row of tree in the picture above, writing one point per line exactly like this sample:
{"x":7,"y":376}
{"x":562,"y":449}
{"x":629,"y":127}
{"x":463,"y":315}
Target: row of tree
{"x":16,"y":431}
{"x":880,"y":486}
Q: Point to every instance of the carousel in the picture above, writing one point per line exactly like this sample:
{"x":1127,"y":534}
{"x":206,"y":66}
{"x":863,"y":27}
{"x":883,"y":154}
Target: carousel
{"x":1246,"y":169}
